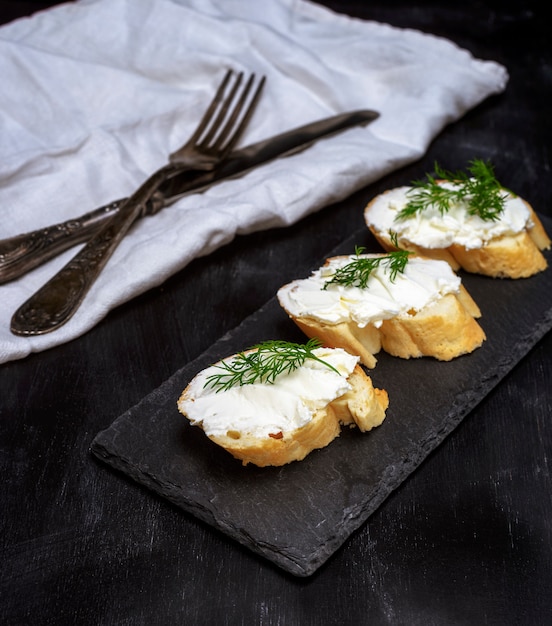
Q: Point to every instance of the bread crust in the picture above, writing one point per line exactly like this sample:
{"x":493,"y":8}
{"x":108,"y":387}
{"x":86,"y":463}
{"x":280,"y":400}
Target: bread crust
{"x":443,"y":330}
{"x":512,"y":256}
{"x":362,"y":406}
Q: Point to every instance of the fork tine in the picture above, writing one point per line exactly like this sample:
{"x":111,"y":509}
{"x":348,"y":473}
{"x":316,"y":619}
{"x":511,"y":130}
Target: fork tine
{"x":230,"y":124}
{"x":206,"y":119}
{"x":219,"y":119}
{"x":206,"y":145}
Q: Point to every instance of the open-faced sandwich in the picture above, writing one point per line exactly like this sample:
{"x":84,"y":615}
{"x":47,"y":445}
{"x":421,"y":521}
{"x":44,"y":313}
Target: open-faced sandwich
{"x":468,"y":220}
{"x":408,"y":305}
{"x":278,"y":401}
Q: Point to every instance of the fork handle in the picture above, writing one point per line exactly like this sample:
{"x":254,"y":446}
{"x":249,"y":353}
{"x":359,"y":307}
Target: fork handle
{"x":23,"y":253}
{"x":56,"y":302}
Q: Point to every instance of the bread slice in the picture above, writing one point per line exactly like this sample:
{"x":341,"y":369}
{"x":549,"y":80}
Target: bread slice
{"x":276,"y":443}
{"x":510,"y":247}
{"x":439,"y":322}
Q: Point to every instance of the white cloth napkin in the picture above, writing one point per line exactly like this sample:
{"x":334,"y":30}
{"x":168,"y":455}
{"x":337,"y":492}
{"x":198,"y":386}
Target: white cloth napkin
{"x":96,"y":93}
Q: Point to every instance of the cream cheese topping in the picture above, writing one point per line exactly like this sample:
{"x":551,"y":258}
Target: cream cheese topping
{"x":423,"y":281}
{"x":261,"y":409}
{"x":431,"y":229}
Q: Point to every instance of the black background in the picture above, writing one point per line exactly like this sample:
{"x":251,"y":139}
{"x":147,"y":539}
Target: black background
{"x":465,"y":540}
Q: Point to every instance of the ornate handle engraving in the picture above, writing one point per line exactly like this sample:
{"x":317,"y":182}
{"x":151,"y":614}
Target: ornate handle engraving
{"x":56,"y":302}
{"x":23,"y":253}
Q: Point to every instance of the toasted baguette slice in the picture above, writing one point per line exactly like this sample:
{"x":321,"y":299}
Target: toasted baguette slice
{"x":514,"y":252}
{"x":358,"y":403}
{"x":444,"y":328}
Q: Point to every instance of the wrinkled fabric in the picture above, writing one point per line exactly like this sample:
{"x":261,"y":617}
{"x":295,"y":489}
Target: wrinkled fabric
{"x":96,"y":94}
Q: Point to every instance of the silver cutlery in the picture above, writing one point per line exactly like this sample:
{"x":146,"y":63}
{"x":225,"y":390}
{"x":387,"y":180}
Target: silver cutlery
{"x":218,"y":131}
{"x":22,"y":253}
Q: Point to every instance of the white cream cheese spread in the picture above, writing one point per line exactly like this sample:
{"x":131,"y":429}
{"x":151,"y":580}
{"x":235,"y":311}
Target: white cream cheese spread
{"x":423,"y":281}
{"x":261,"y":409}
{"x":431,"y":229}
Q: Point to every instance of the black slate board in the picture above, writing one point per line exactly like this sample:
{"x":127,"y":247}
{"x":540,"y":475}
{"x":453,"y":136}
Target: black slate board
{"x":298,"y":515}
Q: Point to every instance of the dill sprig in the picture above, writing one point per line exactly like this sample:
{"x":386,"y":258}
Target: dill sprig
{"x":478,"y":188}
{"x":263,"y":363}
{"x":358,"y":271}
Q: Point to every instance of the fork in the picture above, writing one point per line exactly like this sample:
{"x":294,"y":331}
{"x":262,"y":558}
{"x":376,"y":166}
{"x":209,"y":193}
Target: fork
{"x":26,"y":251}
{"x":218,"y":131}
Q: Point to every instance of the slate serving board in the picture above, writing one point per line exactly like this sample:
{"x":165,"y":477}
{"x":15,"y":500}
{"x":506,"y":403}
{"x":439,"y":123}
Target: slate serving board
{"x":298,"y":515}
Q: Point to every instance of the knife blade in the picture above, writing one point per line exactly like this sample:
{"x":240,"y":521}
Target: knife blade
{"x":22,"y":253}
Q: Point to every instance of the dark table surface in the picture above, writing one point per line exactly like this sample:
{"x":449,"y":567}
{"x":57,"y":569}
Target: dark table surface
{"x":466,"y":539}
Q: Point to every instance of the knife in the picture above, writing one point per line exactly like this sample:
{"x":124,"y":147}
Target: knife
{"x":21,"y":253}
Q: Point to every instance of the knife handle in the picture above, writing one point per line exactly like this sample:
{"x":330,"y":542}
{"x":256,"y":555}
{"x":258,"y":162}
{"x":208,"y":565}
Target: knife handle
{"x":56,"y":302}
{"x":22,"y":253}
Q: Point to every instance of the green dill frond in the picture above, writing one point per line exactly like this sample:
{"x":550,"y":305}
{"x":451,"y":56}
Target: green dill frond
{"x":263,"y":363}
{"x":478,"y":189}
{"x":357,"y":272}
